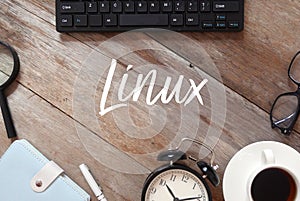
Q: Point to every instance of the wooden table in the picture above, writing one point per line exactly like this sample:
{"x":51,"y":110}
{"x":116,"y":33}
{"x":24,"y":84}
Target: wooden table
{"x":252,"y":64}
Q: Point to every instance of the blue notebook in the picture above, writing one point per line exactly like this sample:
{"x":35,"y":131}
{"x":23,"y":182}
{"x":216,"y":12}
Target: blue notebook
{"x":23,"y":170}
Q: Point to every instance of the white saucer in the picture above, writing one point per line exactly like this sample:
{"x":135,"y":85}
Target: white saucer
{"x":248,"y":159}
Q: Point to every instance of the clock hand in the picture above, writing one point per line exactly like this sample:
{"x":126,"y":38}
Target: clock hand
{"x":193,"y":198}
{"x":170,"y":191}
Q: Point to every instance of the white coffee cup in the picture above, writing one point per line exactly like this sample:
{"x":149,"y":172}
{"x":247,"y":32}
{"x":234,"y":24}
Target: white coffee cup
{"x":268,"y":161}
{"x":257,"y":169}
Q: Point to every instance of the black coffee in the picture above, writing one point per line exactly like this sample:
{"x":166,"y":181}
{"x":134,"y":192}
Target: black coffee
{"x":273,"y":184}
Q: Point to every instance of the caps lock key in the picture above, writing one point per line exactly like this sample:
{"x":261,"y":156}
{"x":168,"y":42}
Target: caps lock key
{"x":72,"y":7}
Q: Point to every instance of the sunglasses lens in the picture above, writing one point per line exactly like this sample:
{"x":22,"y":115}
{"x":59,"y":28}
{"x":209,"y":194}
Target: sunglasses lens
{"x":284,"y":111}
{"x":295,"y":69}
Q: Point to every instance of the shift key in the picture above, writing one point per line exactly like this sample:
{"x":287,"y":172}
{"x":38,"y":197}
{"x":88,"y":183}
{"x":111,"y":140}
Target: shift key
{"x":226,"y":6}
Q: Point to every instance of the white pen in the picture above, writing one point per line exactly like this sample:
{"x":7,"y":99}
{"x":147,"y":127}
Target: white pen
{"x":92,"y":183}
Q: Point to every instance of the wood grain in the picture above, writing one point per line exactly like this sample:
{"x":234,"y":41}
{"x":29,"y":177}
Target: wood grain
{"x":252,"y":64}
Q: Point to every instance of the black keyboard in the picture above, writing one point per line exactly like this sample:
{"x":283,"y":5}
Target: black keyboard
{"x":123,"y":15}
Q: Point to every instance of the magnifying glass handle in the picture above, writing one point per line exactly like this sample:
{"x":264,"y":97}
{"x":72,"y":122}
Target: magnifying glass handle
{"x":10,"y":128}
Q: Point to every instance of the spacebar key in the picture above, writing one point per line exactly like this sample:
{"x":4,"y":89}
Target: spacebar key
{"x":144,"y":20}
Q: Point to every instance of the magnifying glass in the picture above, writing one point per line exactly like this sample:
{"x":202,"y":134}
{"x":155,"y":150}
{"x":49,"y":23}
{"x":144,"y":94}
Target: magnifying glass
{"x":9,"y":69}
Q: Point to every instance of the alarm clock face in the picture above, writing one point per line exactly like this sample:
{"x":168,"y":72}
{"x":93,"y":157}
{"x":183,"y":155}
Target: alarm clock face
{"x":175,"y":183}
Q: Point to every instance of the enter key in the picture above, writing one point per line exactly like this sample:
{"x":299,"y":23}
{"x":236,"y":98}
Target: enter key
{"x":226,"y":6}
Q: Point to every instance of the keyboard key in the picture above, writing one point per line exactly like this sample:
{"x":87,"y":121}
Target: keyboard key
{"x":233,"y":24}
{"x":141,"y":6}
{"x":144,"y":20}
{"x":72,"y":7}
{"x":176,"y":19}
{"x":220,"y":17}
{"x":221,"y":24}
{"x":192,"y":19}
{"x":116,"y":6}
{"x":66,"y":20}
{"x":192,"y":6}
{"x":207,"y":25}
{"x":226,"y":6}
{"x":166,"y":6}
{"x":95,"y":20}
{"x":92,"y":7}
{"x":154,"y":6}
{"x":80,"y":20}
{"x":110,"y":20}
{"x":179,"y":6}
{"x":104,"y":6}
{"x":129,"y":7}
{"x":205,"y":6}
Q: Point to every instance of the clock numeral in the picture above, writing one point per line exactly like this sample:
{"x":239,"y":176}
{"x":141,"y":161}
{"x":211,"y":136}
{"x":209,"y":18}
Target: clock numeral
{"x":194,"y":186}
{"x":162,"y":182}
{"x":200,"y":196}
{"x":173,"y":177}
{"x":153,"y":191}
{"x":185,"y":178}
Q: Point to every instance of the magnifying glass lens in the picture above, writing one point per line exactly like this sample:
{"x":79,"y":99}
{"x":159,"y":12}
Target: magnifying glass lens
{"x":6,"y":64}
{"x":9,"y":69}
